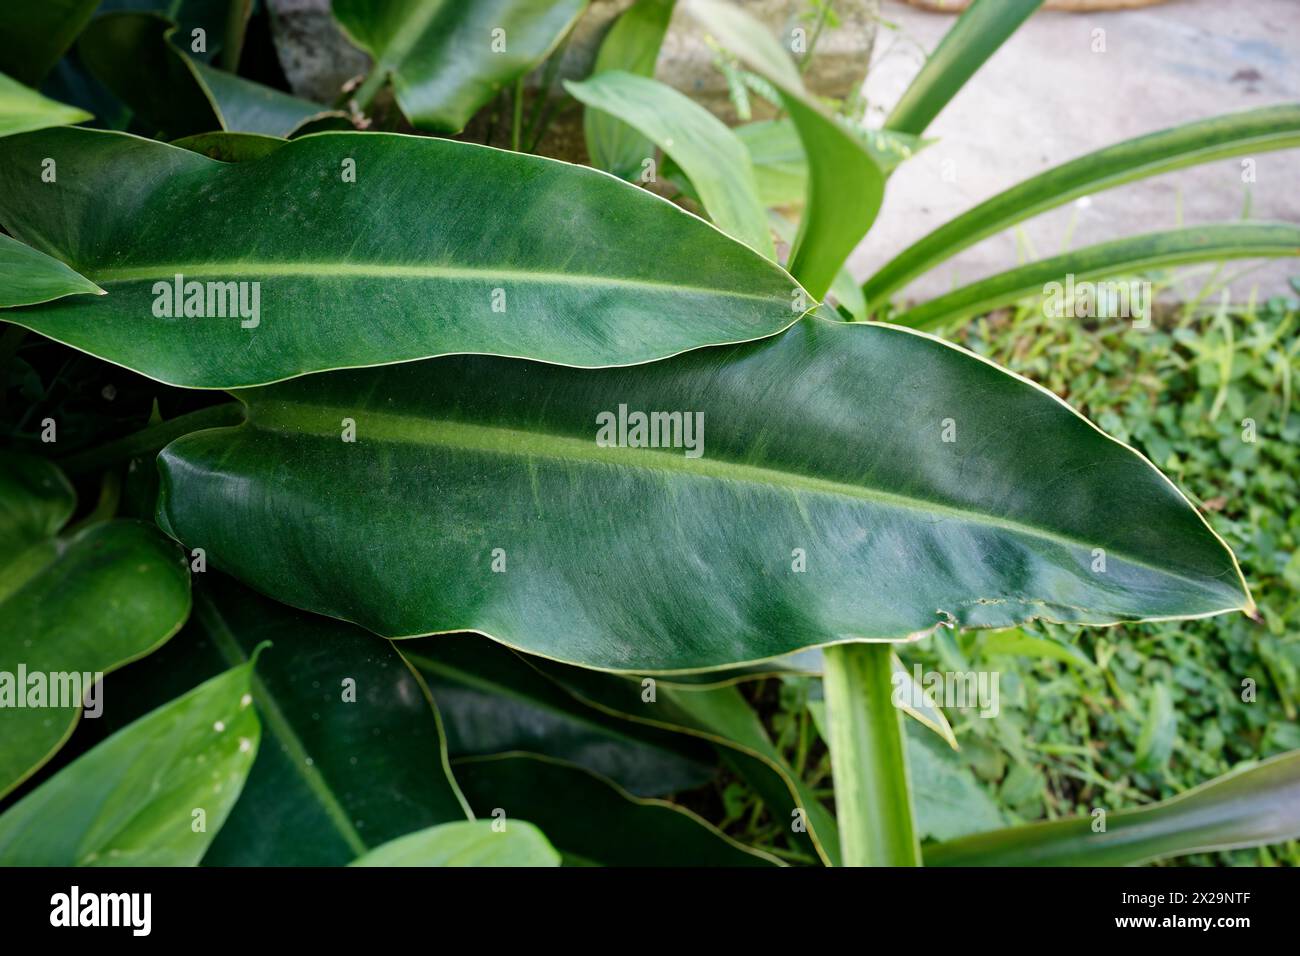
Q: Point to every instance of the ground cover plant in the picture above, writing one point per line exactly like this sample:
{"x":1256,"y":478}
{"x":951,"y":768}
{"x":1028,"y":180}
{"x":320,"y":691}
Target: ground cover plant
{"x":374,"y":496}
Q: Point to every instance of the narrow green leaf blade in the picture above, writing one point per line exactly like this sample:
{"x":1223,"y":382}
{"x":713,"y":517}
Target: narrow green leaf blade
{"x":37,"y":32}
{"x":467,"y":843}
{"x":135,"y":799}
{"x":23,"y":109}
{"x":446,"y":58}
{"x":1246,"y":240}
{"x":1249,"y":807}
{"x":701,"y":144}
{"x":28,"y":277}
{"x":527,"y":256}
{"x":977,"y":35}
{"x":1220,"y":137}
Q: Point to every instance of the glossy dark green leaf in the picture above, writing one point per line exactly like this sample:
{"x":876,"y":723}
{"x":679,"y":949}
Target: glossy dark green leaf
{"x":701,"y":144}
{"x":1237,"y":134}
{"x":492,"y":701}
{"x":1249,"y":807}
{"x":591,"y":821}
{"x":135,"y":55}
{"x":467,"y":843}
{"x":153,"y":794}
{"x":855,"y":452}
{"x":525,"y":256}
{"x":1136,"y":254}
{"x":352,"y":755}
{"x":28,"y":277}
{"x":35,"y":33}
{"x":73,"y":607}
{"x":632,"y":44}
{"x":23,"y":109}
{"x":446,"y":58}
{"x":231,"y":147}
{"x":977,"y":35}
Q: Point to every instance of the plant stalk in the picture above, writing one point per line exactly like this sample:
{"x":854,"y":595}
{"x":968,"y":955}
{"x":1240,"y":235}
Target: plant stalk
{"x":873,"y":798}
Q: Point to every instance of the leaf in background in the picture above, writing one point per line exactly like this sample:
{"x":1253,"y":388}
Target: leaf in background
{"x":977,"y":35}
{"x":135,"y":799}
{"x":700,"y":143}
{"x":632,"y":44}
{"x":492,"y":701}
{"x":28,"y":277}
{"x":1159,"y":731}
{"x":467,"y":843}
{"x":23,"y":110}
{"x":446,"y":58}
{"x":1017,"y":643}
{"x":37,"y":32}
{"x":1249,"y":807}
{"x":360,"y":273}
{"x":824,"y":450}
{"x":134,"y":55}
{"x":352,"y":756}
{"x":1239,"y":240}
{"x":612,"y":828}
{"x":911,"y":698}
{"x":82,"y":604}
{"x":845,"y":181}
{"x":780,"y":166}
{"x":231,"y":147}
{"x":1252,"y":131}
{"x":844,"y":289}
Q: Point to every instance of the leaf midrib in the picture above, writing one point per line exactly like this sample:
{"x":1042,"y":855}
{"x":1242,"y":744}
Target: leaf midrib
{"x":320,"y":420}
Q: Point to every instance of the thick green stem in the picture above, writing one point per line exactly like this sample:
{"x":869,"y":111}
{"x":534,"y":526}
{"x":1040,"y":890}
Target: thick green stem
{"x":873,"y":799}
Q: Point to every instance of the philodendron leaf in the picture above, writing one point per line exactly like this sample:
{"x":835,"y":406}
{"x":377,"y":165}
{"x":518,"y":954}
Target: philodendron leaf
{"x":28,"y":277}
{"x":134,"y":55}
{"x":467,"y":843}
{"x":846,"y":180}
{"x":153,"y":794}
{"x":632,"y":44}
{"x":446,"y":58}
{"x":366,"y":248}
{"x":353,"y":755}
{"x":73,"y":608}
{"x":701,"y":144}
{"x":23,"y":110}
{"x":37,"y":32}
{"x":855,"y":482}
{"x":612,"y":828}
{"x":1249,"y":807}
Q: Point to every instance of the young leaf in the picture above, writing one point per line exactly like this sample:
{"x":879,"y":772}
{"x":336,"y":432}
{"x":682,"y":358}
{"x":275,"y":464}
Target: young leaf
{"x":446,"y":58}
{"x":153,"y":794}
{"x":467,"y":843}
{"x":1241,"y":240}
{"x":1249,"y":132}
{"x":28,"y":277}
{"x":72,"y":608}
{"x":344,"y":264}
{"x":1249,"y":807}
{"x":701,"y":144}
{"x":848,"y":486}
{"x":23,"y":110}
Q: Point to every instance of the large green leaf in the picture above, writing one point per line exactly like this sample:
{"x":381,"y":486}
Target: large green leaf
{"x":632,"y":44}
{"x":153,"y":794}
{"x":73,"y":607}
{"x":28,"y":277}
{"x":352,"y":757}
{"x":1249,"y":807}
{"x":780,"y":166}
{"x":467,"y":843}
{"x":418,"y":257}
{"x":133,"y":54}
{"x":701,"y":144}
{"x":613,"y":828}
{"x":846,"y":181}
{"x":37,"y":32}
{"x":828,"y":505}
{"x":1250,"y":132}
{"x":446,"y":58}
{"x":23,"y":110}
{"x":1241,"y":240}
{"x":977,"y":35}
{"x":492,"y":701}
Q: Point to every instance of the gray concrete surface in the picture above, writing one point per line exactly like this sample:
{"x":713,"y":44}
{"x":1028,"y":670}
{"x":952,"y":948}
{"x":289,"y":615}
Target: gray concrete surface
{"x":1047,"y":97}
